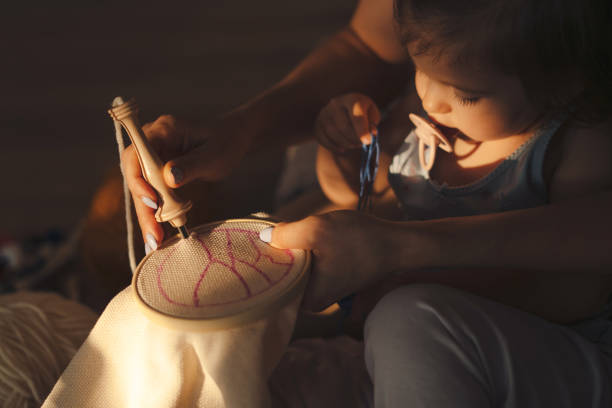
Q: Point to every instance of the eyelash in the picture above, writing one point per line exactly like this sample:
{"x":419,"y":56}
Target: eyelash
{"x":467,"y":101}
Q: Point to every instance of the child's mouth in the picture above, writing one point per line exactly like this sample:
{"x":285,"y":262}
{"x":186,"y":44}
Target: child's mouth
{"x":446,"y":131}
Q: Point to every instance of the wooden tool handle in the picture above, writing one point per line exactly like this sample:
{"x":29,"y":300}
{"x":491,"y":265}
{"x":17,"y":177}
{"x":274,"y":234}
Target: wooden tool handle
{"x":170,"y":208}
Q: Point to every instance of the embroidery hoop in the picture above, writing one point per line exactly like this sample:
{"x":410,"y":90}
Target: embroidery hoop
{"x":429,"y":137}
{"x":222,"y":319}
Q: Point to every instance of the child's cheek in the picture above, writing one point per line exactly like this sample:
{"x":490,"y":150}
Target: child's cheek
{"x":481,"y":125}
{"x":419,"y":84}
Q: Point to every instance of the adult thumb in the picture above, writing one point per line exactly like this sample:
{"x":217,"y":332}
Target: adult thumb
{"x":184,"y":169}
{"x":292,"y":235}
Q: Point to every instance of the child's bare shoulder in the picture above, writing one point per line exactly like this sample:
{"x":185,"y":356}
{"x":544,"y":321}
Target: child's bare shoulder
{"x":583,"y":160}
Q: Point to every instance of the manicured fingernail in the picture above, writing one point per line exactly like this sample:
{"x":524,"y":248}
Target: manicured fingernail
{"x":151,"y":241}
{"x":177,"y":174}
{"x":147,"y":249}
{"x":148,"y":202}
{"x":266,"y":234}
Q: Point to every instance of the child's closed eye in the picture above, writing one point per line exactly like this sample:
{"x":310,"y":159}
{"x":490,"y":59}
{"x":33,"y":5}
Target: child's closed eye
{"x":466,"y":100}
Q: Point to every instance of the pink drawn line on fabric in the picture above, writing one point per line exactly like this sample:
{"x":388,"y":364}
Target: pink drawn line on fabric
{"x":231,"y":267}
{"x":266,"y":277}
{"x":212,"y":260}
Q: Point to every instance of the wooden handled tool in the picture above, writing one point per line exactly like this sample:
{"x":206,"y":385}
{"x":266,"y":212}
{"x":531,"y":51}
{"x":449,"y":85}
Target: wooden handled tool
{"x":170,"y":207}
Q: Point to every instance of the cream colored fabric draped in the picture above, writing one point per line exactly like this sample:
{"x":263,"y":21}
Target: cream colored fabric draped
{"x":127,"y":361}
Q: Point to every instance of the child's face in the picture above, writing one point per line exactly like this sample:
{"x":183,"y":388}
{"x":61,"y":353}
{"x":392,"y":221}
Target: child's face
{"x":483,"y":104}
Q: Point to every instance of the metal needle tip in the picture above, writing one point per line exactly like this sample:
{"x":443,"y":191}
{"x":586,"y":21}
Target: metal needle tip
{"x":183,"y":231}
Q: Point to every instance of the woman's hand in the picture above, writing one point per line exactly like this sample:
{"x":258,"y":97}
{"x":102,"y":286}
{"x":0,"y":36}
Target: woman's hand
{"x":194,"y":152}
{"x":349,"y":253}
{"x":346,"y":122}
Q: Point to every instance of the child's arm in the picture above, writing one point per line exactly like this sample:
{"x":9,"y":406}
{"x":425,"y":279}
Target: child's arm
{"x":341,"y":128}
{"x":340,"y":132}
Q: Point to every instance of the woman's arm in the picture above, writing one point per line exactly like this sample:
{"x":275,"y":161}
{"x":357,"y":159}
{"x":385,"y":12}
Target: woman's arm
{"x":553,"y":260}
{"x":550,"y":260}
{"x":364,"y":57}
{"x":575,"y":235}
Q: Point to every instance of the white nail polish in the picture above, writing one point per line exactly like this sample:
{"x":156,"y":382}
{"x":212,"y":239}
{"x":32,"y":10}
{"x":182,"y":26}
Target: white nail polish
{"x":151,"y":241}
{"x":147,"y":249}
{"x":266,"y":234}
{"x":148,"y":202}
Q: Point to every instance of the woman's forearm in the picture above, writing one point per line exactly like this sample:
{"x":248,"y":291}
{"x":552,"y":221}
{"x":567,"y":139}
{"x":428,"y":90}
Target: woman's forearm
{"x":568,"y":236}
{"x":286,"y":112}
{"x":554,"y":261}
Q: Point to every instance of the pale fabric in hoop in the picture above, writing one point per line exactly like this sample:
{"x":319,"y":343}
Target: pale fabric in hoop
{"x":177,"y":354}
{"x":220,"y":271}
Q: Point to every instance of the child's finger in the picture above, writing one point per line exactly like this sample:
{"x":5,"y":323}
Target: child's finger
{"x":326,"y":133}
{"x":331,"y":131}
{"x":361,"y":122}
{"x":339,"y":115}
{"x":374,"y":119}
{"x":349,"y":138}
{"x":333,"y":127}
{"x":373,"y":115}
{"x":320,"y":132}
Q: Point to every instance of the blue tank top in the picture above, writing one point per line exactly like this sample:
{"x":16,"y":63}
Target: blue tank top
{"x":518,"y":182}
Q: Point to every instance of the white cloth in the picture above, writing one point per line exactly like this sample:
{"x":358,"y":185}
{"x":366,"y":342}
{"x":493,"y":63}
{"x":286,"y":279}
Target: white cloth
{"x":128,"y":361}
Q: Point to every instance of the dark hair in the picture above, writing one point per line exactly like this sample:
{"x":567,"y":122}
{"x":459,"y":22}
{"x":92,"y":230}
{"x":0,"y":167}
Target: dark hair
{"x":548,"y":44}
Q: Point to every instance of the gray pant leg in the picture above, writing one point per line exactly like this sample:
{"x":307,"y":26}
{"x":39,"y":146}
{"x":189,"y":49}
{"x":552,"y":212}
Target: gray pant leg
{"x":437,"y":347}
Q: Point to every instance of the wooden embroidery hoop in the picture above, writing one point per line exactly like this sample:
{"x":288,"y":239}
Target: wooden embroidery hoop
{"x":265,"y":307}
{"x":174,"y":210}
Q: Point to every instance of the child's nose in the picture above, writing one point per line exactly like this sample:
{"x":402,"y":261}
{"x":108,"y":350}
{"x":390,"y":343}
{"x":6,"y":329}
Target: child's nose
{"x":435,"y":98}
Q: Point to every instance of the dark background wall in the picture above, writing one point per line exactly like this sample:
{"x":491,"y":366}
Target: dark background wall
{"x":62,"y":64}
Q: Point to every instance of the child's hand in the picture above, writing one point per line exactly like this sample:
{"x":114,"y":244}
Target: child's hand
{"x":346,"y":122}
